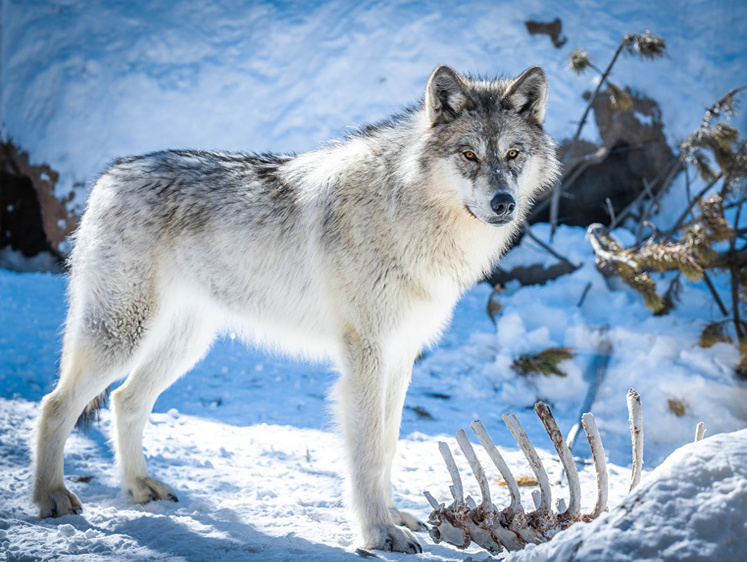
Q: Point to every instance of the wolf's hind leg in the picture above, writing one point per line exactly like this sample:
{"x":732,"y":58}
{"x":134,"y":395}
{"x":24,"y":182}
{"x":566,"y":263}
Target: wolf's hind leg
{"x":181,"y":345}
{"x":84,"y":374}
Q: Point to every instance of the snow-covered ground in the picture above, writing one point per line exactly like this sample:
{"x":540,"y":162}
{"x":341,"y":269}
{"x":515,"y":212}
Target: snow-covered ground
{"x":246,"y":440}
{"x":247,"y":443}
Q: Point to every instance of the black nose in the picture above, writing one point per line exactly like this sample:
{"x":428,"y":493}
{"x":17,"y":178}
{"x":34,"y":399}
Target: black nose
{"x":503,"y":204}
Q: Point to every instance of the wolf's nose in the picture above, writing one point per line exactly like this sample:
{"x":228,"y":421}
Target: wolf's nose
{"x":503,"y":204}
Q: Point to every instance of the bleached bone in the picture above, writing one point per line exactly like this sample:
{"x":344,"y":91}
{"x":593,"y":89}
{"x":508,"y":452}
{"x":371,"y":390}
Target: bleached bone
{"x":543,"y":509}
{"x":431,"y":499}
{"x":600,"y":465}
{"x":457,"y":492}
{"x":484,"y":525}
{"x":461,"y":524}
{"x":510,"y":528}
{"x":570,"y":514}
{"x":636,"y":435}
{"x":500,"y":464}
{"x":699,"y":432}
{"x":513,"y":516}
{"x":475,"y":465}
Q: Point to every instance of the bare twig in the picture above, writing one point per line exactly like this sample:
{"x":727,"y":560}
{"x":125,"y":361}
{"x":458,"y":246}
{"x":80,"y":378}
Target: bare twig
{"x":735,"y":304}
{"x":667,"y":174}
{"x":548,"y":248}
{"x":735,"y":280}
{"x":626,"y":42}
{"x":672,"y":172}
{"x":557,"y":192}
{"x":583,"y":295}
{"x":595,"y":376}
{"x":610,"y":209}
{"x":595,"y":93}
{"x":678,"y":223}
{"x":714,"y":293}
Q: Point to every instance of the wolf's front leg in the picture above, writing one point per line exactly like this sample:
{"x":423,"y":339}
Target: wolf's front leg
{"x":398,"y":379}
{"x":362,"y":399}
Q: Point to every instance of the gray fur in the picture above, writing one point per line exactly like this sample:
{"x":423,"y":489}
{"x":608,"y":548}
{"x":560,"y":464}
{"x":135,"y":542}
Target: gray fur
{"x":356,"y":252}
{"x":91,"y":412}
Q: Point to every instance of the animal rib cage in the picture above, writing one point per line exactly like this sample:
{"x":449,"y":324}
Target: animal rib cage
{"x":464,"y":522}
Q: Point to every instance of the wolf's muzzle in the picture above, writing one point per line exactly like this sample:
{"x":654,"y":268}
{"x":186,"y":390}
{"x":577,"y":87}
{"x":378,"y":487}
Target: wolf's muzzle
{"x":503,"y":206}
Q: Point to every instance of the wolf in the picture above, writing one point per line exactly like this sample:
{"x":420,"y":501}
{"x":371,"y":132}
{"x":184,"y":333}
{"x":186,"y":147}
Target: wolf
{"x":356,"y":252}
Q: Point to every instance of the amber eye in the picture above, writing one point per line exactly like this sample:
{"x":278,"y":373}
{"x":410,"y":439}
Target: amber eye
{"x":512,"y":154}
{"x":469,"y":155}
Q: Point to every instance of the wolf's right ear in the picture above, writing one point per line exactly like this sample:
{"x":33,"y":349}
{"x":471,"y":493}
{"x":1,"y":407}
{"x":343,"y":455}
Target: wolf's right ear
{"x":445,"y":96}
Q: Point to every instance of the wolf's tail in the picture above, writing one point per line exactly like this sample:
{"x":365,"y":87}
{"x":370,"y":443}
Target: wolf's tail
{"x":91,"y":412}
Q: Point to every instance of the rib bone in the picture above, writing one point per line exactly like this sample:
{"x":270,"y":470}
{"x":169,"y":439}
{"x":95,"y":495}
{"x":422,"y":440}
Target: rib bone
{"x":511,"y":528}
{"x":699,"y":432}
{"x":462,"y":523}
{"x":495,"y":456}
{"x":475,"y":465}
{"x":457,"y":491}
{"x":636,"y":435}
{"x":574,"y":486}
{"x":543,"y":511}
{"x":513,"y":516}
{"x":600,"y":465}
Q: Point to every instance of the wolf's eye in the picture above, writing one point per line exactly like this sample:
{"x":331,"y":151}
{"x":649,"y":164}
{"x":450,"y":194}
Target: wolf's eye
{"x":512,"y":154}
{"x":469,"y":155}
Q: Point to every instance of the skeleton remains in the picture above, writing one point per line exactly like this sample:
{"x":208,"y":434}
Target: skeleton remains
{"x":464,"y":522}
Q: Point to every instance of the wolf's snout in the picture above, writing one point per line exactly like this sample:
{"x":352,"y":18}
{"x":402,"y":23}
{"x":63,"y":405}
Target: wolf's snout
{"x":503,"y":204}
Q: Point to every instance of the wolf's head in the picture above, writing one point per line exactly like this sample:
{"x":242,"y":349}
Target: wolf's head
{"x":490,"y":143}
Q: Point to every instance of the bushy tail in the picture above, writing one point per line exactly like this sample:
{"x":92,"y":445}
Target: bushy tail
{"x":91,"y":412}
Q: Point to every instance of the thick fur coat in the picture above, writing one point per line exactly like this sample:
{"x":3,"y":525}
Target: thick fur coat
{"x":356,"y":252}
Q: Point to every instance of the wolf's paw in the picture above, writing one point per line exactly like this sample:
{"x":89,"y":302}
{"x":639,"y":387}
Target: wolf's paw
{"x":58,"y":503}
{"x":147,"y":489}
{"x":407,"y":520}
{"x":389,"y":537}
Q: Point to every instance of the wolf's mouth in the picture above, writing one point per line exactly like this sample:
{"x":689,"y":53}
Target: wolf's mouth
{"x":493,"y":221}
{"x":469,"y":211}
{"x":499,"y":221}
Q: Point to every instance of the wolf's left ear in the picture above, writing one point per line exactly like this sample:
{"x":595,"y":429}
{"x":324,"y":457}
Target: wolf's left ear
{"x":528,"y":95}
{"x":445,"y":96}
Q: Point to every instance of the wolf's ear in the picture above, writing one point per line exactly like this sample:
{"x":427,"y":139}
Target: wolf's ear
{"x":528,"y":95}
{"x":445,"y":96}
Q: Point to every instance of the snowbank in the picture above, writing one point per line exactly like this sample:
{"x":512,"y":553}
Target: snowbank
{"x":692,"y":507}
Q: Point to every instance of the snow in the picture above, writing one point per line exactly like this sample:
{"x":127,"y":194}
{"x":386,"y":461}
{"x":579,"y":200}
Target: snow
{"x":701,"y":486}
{"x":246,"y":439}
{"x":247,"y":443}
{"x":84,"y":83}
